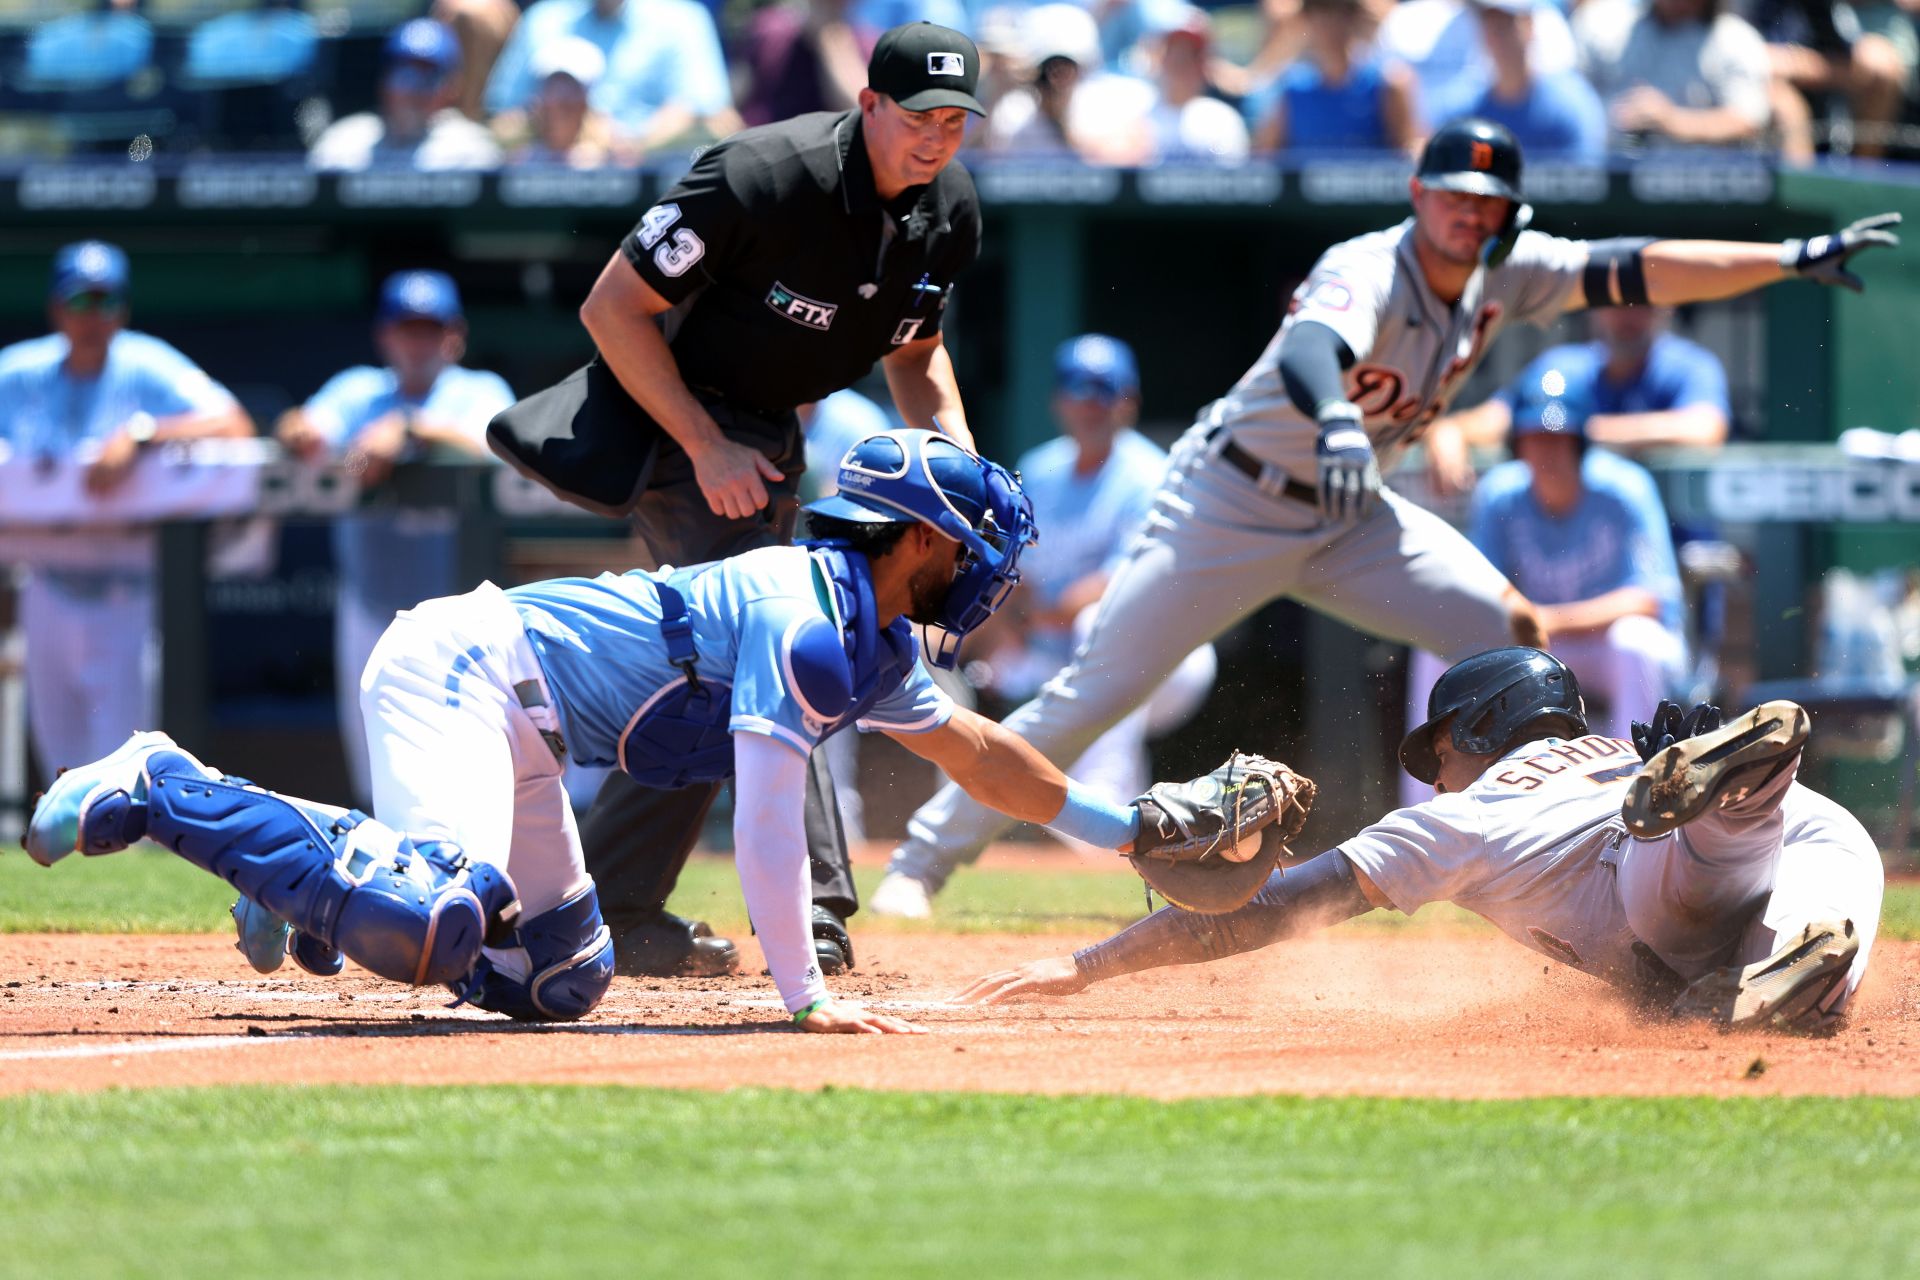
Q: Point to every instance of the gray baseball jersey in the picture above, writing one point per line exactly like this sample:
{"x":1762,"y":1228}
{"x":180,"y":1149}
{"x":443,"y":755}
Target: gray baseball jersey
{"x":1411,"y":351}
{"x":1537,"y":847}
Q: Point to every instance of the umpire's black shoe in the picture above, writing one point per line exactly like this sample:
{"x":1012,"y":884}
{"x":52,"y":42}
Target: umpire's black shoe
{"x":832,"y":944}
{"x":665,"y":945}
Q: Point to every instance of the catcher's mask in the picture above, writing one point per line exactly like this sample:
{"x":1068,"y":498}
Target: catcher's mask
{"x":1496,"y":699}
{"x":899,"y":477}
{"x":1482,"y":158}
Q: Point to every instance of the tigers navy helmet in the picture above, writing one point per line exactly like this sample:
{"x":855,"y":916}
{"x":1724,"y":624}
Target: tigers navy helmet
{"x":900,"y":477}
{"x":1482,"y":158}
{"x":1496,"y":700}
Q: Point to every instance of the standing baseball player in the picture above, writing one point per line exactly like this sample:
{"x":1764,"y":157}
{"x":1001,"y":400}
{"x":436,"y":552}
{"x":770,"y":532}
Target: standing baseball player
{"x":778,"y":270}
{"x":1276,"y":490}
{"x":1686,"y":867}
{"x":98,"y":394}
{"x":471,"y":874}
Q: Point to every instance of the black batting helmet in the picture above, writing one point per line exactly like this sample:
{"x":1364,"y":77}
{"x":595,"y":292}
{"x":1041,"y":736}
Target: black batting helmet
{"x":1495,"y":700}
{"x":1472,"y":155}
{"x":1481,"y":157}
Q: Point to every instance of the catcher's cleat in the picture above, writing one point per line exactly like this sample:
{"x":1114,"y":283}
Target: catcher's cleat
{"x":664,"y":945}
{"x":263,"y":936}
{"x":1794,"y":989}
{"x":832,"y":944}
{"x":1719,"y":768}
{"x":95,"y":808}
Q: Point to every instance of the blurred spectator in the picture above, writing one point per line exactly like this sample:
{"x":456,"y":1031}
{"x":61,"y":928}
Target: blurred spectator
{"x":1003,"y":60}
{"x":562,"y":127}
{"x":1071,"y":105}
{"x":1341,"y":95}
{"x":884,"y":15}
{"x":1128,"y":29}
{"x":1442,"y":42}
{"x":96,"y":393}
{"x":1643,"y":387}
{"x":275,"y":41}
{"x":664,"y":71}
{"x":801,"y":56}
{"x":1818,"y":48}
{"x":1678,"y":72}
{"x":1282,"y":40}
{"x":1556,"y":116}
{"x":1186,"y":121}
{"x":89,"y":50}
{"x":417,"y":123}
{"x":482,"y":27}
{"x":391,"y":558}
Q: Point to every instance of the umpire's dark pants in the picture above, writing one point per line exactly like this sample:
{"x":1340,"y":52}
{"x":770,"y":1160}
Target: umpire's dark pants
{"x":637,"y":839}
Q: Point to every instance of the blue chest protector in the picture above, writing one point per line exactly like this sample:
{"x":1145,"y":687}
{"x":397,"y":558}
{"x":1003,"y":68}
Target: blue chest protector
{"x":681,"y":738}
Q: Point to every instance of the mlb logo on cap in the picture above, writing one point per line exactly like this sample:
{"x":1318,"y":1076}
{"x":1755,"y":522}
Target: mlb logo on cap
{"x":923,"y":67}
{"x":946,"y":64}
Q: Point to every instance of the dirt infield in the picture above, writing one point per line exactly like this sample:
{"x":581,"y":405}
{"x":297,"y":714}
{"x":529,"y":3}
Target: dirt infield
{"x":1449,"y":1016}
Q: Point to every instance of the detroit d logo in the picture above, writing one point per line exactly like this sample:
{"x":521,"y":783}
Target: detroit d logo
{"x":799,"y":309}
{"x":946,"y":64}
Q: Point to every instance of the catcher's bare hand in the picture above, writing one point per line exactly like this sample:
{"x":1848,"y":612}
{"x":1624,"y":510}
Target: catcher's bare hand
{"x":837,"y":1018}
{"x":1054,"y":976}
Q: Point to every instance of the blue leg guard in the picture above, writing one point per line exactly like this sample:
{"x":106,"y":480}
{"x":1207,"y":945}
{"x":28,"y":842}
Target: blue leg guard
{"x":411,"y":913}
{"x":566,"y":956}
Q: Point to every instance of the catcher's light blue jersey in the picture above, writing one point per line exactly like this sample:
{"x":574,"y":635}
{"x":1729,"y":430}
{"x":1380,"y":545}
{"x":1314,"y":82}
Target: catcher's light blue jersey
{"x":605,"y":659}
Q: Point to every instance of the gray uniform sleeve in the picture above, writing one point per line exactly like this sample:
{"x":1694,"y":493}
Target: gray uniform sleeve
{"x":1540,"y":276}
{"x":1429,"y":852}
{"x":1346,"y":291}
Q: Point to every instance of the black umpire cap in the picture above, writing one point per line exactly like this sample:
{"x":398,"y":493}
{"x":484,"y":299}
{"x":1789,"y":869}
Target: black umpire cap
{"x":922,"y":66}
{"x":1472,"y":155}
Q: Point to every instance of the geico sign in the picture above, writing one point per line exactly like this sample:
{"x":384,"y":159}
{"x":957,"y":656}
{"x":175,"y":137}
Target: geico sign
{"x":1863,"y":494}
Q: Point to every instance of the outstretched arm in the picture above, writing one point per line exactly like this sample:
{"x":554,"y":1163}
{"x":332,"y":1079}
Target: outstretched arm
{"x":1321,"y":891}
{"x":1669,"y":272}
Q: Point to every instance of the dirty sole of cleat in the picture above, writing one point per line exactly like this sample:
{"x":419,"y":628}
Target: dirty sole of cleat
{"x":54,"y":830}
{"x":1726,"y":766}
{"x":1785,"y":991}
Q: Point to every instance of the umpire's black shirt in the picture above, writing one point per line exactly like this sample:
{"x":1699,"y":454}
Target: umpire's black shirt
{"x":788,"y":275}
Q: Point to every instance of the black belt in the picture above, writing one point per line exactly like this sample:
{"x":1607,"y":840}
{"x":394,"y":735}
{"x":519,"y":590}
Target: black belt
{"x":1257,"y":471}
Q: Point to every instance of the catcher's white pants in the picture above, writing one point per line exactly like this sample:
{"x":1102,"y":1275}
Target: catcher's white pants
{"x":1734,"y":885}
{"x":454,"y":754}
{"x":1213,"y":550}
{"x":93,"y":663}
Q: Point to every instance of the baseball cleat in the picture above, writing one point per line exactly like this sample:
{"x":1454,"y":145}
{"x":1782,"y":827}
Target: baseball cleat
{"x":263,"y":936}
{"x":664,"y":945}
{"x":901,"y":896}
{"x":1720,"y":768}
{"x":95,"y":808}
{"x":1791,"y":990}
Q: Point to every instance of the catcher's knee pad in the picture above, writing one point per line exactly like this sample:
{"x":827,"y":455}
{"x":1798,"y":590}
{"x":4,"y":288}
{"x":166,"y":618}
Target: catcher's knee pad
{"x":554,"y":968}
{"x":415,"y":914}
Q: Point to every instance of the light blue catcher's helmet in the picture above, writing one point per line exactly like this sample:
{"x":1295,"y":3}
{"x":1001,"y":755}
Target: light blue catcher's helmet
{"x":898,"y":477}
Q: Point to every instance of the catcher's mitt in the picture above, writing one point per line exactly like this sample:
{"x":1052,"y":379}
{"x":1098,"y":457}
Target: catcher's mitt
{"x":1209,"y":844}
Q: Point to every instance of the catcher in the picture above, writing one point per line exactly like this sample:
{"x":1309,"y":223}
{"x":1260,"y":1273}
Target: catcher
{"x":1687,"y":866}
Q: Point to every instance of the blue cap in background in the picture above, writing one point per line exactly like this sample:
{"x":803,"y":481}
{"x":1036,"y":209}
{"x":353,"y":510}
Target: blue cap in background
{"x":1553,"y":404}
{"x":420,"y":295}
{"x":91,"y":266}
{"x":1095,"y":365}
{"x":424,"y":40}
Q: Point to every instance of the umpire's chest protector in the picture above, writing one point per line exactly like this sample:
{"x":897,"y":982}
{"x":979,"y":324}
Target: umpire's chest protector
{"x":836,"y":667}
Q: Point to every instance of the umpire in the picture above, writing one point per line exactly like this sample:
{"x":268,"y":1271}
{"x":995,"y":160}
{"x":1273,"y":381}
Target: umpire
{"x":789,"y":259}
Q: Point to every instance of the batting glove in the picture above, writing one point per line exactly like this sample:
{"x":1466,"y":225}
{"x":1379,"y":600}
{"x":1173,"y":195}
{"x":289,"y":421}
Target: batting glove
{"x":1669,"y":726}
{"x":1824,"y":258}
{"x":1349,"y":473}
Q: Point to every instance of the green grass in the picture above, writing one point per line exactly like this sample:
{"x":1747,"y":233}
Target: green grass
{"x":148,"y":891}
{"x":470,"y":1182}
